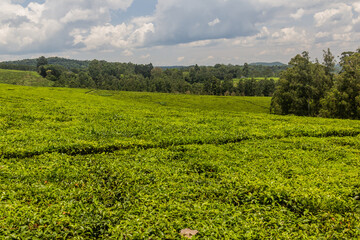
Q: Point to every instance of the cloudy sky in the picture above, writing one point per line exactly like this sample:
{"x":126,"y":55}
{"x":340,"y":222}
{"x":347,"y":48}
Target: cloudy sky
{"x":177,"y":32}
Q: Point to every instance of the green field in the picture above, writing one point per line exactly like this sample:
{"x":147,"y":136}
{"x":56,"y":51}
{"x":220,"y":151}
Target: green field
{"x":236,"y":80}
{"x":83,"y":164}
{"x":25,"y":78}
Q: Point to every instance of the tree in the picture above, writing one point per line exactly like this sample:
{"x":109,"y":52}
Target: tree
{"x":329,"y":61}
{"x":85,"y":81}
{"x":301,"y":87}
{"x":42,"y":71}
{"x":240,"y":88}
{"x":51,"y":72}
{"x":227,"y":85}
{"x":196,"y":68}
{"x":215,"y":86}
{"x":195,"y":74}
{"x":144,"y":70}
{"x":156,"y":72}
{"x":246,"y":70}
{"x":95,"y":69}
{"x":249,"y":87}
{"x":268,"y":87}
{"x":343,"y":101}
{"x":41,"y":61}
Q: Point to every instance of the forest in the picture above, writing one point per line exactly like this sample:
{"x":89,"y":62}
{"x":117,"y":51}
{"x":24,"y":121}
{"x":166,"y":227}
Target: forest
{"x":314,"y":89}
{"x":220,"y":79}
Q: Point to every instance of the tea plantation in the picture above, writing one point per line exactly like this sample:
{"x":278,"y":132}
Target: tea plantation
{"x":86,"y":164}
{"x":24,"y":78}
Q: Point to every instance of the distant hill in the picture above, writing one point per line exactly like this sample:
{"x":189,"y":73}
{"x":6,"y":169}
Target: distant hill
{"x":15,"y":66}
{"x":66,"y":63}
{"x":271,"y":64}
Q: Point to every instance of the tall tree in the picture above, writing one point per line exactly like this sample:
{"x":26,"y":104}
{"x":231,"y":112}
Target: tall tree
{"x":329,"y":61}
{"x":95,"y":72}
{"x":343,"y":101}
{"x":41,"y":61}
{"x":144,"y":70}
{"x":301,"y":87}
{"x":246,"y":70}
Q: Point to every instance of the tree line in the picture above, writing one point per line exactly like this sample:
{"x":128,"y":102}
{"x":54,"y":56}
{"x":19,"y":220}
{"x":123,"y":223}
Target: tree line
{"x":305,"y":87}
{"x":12,"y":66}
{"x":211,"y":80}
{"x":309,"y":88}
{"x":31,"y":64}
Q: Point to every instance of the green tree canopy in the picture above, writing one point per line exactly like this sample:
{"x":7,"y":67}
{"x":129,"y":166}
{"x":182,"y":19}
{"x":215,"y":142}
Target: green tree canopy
{"x":343,"y":101}
{"x":301,"y":87}
{"x":41,"y":61}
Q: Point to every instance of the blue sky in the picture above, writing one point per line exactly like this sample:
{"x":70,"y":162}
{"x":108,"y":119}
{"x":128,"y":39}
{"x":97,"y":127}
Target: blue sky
{"x":177,"y":32}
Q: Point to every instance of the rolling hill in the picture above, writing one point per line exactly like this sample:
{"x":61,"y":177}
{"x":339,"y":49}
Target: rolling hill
{"x":87,"y":164}
{"x":25,"y":78}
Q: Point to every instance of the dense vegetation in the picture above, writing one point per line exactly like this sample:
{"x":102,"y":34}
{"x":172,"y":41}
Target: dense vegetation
{"x":12,"y":66}
{"x":305,"y":88}
{"x":32,"y":64}
{"x":312,"y":89}
{"x":88,"y":164}
{"x":217,"y":80}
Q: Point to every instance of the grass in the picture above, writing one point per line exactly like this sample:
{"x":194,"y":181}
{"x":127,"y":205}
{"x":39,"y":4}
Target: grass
{"x":86,"y":164}
{"x":25,"y":78}
{"x":236,"y":80}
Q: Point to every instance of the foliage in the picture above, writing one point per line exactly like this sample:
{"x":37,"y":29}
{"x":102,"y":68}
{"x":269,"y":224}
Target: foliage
{"x":144,"y":70}
{"x":86,"y":164}
{"x":69,"y":64}
{"x":11,"y":66}
{"x":301,"y":87}
{"x":329,"y":62}
{"x":246,"y":70}
{"x":313,"y":89}
{"x":51,"y":72}
{"x":41,"y":61}
{"x":343,"y":101}
{"x":216,"y":80}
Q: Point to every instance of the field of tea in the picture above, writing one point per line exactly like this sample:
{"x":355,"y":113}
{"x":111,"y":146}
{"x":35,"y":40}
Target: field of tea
{"x":86,"y":164}
{"x":24,"y":78}
{"x":236,"y":80}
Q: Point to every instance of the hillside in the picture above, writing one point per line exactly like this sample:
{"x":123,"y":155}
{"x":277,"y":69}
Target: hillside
{"x":67,"y":63}
{"x":25,"y":78}
{"x":124,"y":165}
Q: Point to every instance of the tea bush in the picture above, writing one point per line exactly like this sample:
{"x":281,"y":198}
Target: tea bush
{"x":80,"y":164}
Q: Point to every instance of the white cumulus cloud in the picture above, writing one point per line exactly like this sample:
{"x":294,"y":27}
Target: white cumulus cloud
{"x":299,"y":14}
{"x":186,"y":27}
{"x":341,"y":14}
{"x":50,"y":26}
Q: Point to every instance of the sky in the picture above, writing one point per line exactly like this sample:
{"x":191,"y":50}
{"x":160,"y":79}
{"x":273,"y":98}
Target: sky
{"x":177,"y":32}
